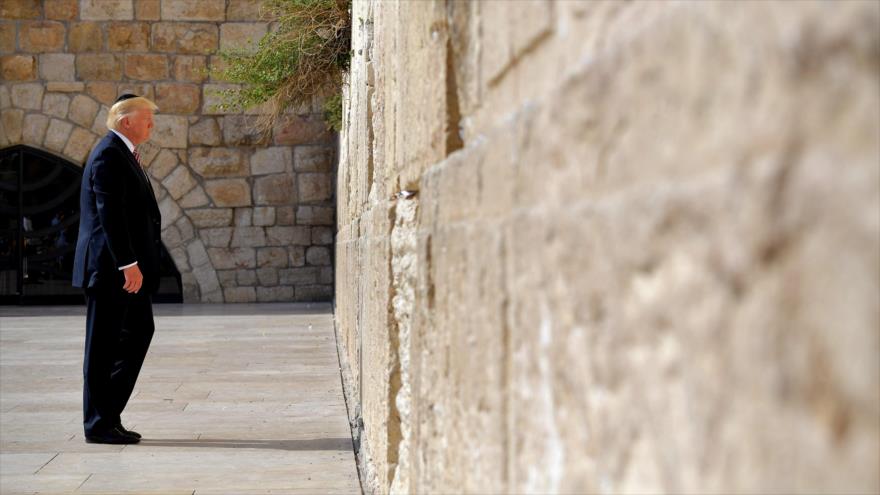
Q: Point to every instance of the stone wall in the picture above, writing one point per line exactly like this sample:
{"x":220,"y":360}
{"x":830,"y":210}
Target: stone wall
{"x":246,"y":217}
{"x":612,"y":247}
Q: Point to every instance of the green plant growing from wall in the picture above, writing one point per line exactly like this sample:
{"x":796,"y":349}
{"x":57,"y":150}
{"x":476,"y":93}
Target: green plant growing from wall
{"x":303,"y":56}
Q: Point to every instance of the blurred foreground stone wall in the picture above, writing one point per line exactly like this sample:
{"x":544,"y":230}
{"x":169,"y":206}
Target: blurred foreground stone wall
{"x":245,"y":216}
{"x":607,"y":247}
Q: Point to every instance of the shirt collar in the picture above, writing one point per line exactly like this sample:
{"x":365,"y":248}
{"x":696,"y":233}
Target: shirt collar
{"x":124,"y":140}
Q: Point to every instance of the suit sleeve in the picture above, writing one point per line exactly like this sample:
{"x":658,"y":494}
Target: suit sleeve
{"x":109,"y":186}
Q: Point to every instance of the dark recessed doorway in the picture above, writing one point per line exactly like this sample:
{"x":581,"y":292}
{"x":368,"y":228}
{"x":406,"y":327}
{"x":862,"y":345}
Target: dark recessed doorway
{"x":39,"y":222}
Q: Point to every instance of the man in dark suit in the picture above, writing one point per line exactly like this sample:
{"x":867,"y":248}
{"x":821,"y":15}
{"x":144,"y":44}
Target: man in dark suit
{"x":117,"y":265}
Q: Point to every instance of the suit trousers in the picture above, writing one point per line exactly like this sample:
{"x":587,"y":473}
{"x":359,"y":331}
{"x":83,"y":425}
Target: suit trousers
{"x":119,"y":328}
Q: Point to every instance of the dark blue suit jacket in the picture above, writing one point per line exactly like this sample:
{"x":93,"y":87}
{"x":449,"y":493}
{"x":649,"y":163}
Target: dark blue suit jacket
{"x":119,"y":220}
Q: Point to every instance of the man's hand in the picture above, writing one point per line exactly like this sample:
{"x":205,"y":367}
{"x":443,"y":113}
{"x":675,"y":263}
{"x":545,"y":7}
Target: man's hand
{"x":133,"y":279}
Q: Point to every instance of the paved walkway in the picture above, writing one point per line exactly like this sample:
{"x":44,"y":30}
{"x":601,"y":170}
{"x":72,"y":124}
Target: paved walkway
{"x":232,"y":399}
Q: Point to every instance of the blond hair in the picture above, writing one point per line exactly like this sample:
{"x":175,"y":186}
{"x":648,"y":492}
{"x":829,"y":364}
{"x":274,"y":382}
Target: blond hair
{"x":127,"y":107}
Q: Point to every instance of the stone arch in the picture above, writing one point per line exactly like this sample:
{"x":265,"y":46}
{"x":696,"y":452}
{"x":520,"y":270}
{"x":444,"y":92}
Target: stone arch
{"x":69,"y":126}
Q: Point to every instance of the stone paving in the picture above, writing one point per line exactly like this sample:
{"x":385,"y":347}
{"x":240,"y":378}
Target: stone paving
{"x":232,"y":399}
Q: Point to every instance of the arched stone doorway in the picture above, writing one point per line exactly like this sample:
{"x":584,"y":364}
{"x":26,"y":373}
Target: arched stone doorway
{"x":39,"y":219}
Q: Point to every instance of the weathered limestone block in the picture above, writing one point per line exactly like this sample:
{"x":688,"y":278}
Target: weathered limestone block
{"x":271,"y":160}
{"x":274,"y":190}
{"x":106,"y":10}
{"x":305,"y":293}
{"x":56,"y":105}
{"x":18,"y":68}
{"x":57,"y":134}
{"x":235,"y":258}
{"x":313,"y":158}
{"x":85,"y":37}
{"x":146,"y":67}
{"x":272,"y":257}
{"x":5,"y":97}
{"x":315,"y":215}
{"x":243,"y":217}
{"x":179,"y":182}
{"x":103,"y":92}
{"x":284,"y":215}
{"x":20,"y":9}
{"x":57,"y":67}
{"x":204,"y":132}
{"x":7,"y":37}
{"x":195,"y":198}
{"x":147,"y":10}
{"x":317,"y":255}
{"x":243,"y":10}
{"x":246,"y":278}
{"x":241,"y":130}
{"x":190,"y":68}
{"x":99,"y":66}
{"x":300,"y":129}
{"x":83,"y":110}
{"x":185,"y":226}
{"x":229,"y":192}
{"x":326,"y":276}
{"x":170,"y":210}
{"x":239,"y":295}
{"x":227,"y":278}
{"x":61,"y":10}
{"x":268,"y":276}
{"x":296,"y":255}
{"x":198,"y":255}
{"x":178,"y":254}
{"x":217,"y":162}
{"x":28,"y":96}
{"x":216,"y":237}
{"x":322,"y":235}
{"x":285,"y":236}
{"x":298,"y":276}
{"x":163,"y":164}
{"x":248,"y":237}
{"x":79,"y":145}
{"x":314,"y":187}
{"x":41,"y":36}
{"x":208,"y":283}
{"x":241,"y":35}
{"x":170,"y":131}
{"x":12,"y":120}
{"x":264,"y":216}
{"x":178,"y":98}
{"x":34,"y":129}
{"x":171,"y":237}
{"x":185,"y":38}
{"x":140,"y":89}
{"x":274,"y":294}
{"x":128,"y":36}
{"x":203,"y":10}
{"x":211,"y":99}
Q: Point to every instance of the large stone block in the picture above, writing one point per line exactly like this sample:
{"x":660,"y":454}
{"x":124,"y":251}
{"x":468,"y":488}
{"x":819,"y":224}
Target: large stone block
{"x":56,"y":105}
{"x":275,"y":257}
{"x":212,"y":99}
{"x":313,"y":158}
{"x":286,"y":236}
{"x":140,"y":89}
{"x":322,"y":235}
{"x":20,"y":9}
{"x":211,"y":217}
{"x":5,"y":98}
{"x":194,"y":198}
{"x":83,"y":111}
{"x":274,"y":190}
{"x":318,"y":255}
{"x":241,"y":35}
{"x":12,"y":120}
{"x":18,"y":67}
{"x":248,"y":237}
{"x":57,"y":134}
{"x":128,"y":36}
{"x":315,"y":215}
{"x":146,"y":67}
{"x":80,"y":145}
{"x":34,"y":129}
{"x":274,"y":294}
{"x":264,"y":216}
{"x":267,"y":276}
{"x":239,"y":295}
{"x":229,"y":192}
{"x":104,"y":92}
{"x":147,"y":10}
{"x":301,"y":129}
{"x":28,"y":96}
{"x":217,"y":162}
{"x":177,"y":98}
{"x":163,"y":164}
{"x":58,"y":67}
{"x":204,"y":132}
{"x":313,"y":293}
{"x":185,"y":38}
{"x":65,"y":87}
{"x":190,"y":68}
{"x":170,"y":131}
{"x":41,"y":37}
{"x":235,"y":258}
{"x":271,"y":160}
{"x":61,"y":10}
{"x":298,"y":276}
{"x":99,"y":67}
{"x":85,"y":37}
{"x":314,"y":187}
{"x":179,"y":182}
{"x":241,"y":130}
{"x":7,"y":37}
{"x":106,"y":10}
{"x":203,"y":10}
{"x":243,"y":10}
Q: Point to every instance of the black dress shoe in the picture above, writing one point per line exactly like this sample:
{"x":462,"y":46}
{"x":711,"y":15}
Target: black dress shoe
{"x":130,"y":433}
{"x":112,"y":436}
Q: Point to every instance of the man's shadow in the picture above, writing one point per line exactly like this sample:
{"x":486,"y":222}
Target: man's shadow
{"x":340,"y":444}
